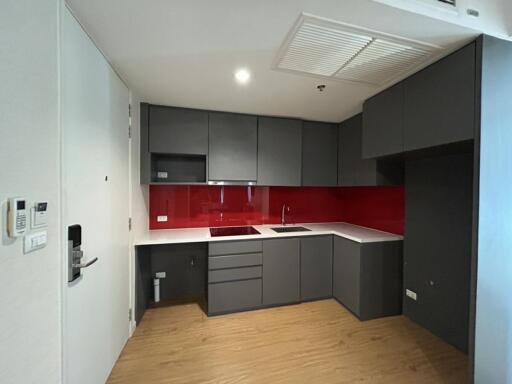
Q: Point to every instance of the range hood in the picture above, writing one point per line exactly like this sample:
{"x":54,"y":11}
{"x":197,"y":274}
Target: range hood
{"x":231,"y":182}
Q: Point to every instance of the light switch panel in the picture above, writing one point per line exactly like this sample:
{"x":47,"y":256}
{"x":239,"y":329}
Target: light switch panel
{"x":35,"y":241}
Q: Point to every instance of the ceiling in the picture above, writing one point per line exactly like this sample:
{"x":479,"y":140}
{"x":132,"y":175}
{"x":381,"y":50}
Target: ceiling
{"x":184,"y":53}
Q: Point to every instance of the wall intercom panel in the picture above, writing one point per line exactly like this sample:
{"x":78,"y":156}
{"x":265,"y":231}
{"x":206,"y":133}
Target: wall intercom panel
{"x":39,"y":214}
{"x":17,"y":217}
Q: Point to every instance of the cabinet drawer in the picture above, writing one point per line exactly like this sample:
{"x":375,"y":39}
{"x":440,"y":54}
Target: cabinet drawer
{"x":234,"y":274}
{"x":233,"y":261}
{"x":233,"y":296}
{"x":234,"y":247}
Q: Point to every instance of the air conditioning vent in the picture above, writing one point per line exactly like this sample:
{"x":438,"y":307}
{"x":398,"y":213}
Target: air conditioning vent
{"x":327,"y":48}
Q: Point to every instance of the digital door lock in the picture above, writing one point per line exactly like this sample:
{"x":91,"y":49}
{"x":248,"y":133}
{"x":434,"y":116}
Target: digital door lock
{"x":75,"y":254}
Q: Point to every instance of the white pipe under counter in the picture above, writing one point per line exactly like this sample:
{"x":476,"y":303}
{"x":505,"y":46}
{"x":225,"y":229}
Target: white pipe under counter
{"x":195,"y":235}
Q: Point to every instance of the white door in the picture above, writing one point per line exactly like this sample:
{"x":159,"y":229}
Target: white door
{"x":94,"y":120}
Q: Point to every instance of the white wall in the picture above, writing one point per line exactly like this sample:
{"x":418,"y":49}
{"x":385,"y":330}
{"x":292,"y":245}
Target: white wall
{"x":30,"y":338}
{"x":493,"y":333}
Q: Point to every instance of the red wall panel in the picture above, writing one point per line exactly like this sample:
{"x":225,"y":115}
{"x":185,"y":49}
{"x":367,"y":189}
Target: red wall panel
{"x":375,"y":207}
{"x":210,"y":206}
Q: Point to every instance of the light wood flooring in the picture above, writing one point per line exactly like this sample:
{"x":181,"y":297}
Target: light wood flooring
{"x":317,"y":342}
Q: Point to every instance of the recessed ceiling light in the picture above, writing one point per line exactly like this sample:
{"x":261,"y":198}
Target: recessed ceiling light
{"x":242,"y":76}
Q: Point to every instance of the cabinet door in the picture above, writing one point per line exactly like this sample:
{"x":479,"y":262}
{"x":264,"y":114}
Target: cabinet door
{"x":315,"y":267}
{"x":178,"y":131}
{"x":279,"y":151}
{"x":234,"y":296}
{"x":383,"y":123}
{"x":440,"y":102}
{"x":281,"y":271}
{"x":233,"y":147}
{"x":346,"y":273}
{"x":353,"y":170}
{"x":319,"y":154}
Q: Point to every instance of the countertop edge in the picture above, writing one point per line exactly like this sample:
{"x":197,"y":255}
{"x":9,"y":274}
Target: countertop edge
{"x":386,"y":236}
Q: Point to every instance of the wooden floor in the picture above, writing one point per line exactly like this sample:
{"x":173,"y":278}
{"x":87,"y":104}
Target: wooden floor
{"x":318,"y":342}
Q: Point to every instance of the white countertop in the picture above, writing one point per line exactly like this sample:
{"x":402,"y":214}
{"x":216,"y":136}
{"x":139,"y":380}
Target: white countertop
{"x":194,"y":235}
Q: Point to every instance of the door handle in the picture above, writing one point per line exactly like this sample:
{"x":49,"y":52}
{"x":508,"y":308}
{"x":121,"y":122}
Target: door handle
{"x":86,"y":264}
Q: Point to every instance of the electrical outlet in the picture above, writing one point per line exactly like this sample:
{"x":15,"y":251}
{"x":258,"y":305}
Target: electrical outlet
{"x":411,"y":294}
{"x":162,"y":175}
{"x":160,"y":275}
{"x":161,"y":218}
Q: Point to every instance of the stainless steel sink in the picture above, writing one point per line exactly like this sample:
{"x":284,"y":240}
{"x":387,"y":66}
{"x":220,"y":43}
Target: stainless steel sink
{"x":290,"y":229}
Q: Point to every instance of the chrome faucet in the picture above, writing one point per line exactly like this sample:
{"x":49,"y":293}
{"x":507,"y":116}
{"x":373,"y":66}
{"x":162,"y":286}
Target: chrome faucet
{"x":284,"y":209}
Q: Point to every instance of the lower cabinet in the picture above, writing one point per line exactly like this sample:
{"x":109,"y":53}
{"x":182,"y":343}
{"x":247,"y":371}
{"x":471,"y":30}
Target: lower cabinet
{"x":367,"y":277}
{"x":346,"y":273}
{"x":234,"y":276}
{"x":234,"y":296}
{"x":315,"y":267}
{"x":281,"y":271}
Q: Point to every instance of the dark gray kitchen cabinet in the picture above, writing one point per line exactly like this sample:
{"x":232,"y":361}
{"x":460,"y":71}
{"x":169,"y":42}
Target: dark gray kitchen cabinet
{"x":437,"y":248}
{"x":319,"y":154}
{"x":173,"y":144}
{"x":353,"y":170}
{"x":234,"y":276}
{"x":185,"y":265}
{"x":232,"y":296}
{"x":383,"y":123}
{"x":439,"y":102}
{"x":281,"y":271}
{"x":347,"y":273}
{"x":315,"y":267}
{"x":367,"y":277}
{"x":178,"y":130}
{"x":279,"y":151}
{"x":233,"y":147}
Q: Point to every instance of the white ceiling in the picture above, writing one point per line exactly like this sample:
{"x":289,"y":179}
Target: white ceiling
{"x":184,"y":53}
{"x":494,"y":16}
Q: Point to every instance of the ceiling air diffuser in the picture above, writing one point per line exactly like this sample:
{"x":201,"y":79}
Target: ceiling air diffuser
{"x":326,"y":48}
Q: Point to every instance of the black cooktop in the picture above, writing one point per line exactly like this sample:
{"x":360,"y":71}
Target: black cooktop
{"x":233,"y":231}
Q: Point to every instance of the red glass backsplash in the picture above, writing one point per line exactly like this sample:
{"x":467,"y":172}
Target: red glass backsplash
{"x":216,"y":206}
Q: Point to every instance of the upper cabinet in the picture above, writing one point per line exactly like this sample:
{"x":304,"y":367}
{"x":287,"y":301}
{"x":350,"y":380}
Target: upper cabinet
{"x":353,"y":170}
{"x":431,"y":108}
{"x":279,"y":151}
{"x":319,"y":154}
{"x":439,"y":102}
{"x":383,"y":123}
{"x":173,"y":145}
{"x":178,"y":130}
{"x":233,"y":147}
